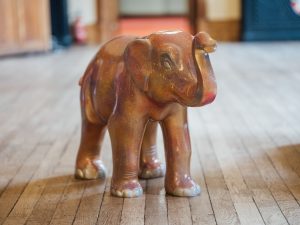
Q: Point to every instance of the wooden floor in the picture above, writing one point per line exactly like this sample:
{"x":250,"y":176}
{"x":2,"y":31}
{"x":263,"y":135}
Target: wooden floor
{"x":246,"y":145}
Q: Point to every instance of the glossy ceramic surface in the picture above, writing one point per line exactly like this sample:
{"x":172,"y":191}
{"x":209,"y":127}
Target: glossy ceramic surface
{"x":131,"y":85}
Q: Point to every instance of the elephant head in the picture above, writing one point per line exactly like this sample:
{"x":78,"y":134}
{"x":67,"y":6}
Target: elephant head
{"x":173,"y":66}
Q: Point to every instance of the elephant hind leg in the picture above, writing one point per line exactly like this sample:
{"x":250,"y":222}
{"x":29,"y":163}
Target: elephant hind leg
{"x":150,"y":165}
{"x":88,"y":163}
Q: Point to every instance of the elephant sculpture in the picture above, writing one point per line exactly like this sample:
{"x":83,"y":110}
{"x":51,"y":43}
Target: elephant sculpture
{"x":131,"y":85}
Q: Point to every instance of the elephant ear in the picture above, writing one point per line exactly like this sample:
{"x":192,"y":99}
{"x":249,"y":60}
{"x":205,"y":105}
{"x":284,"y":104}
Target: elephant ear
{"x":138,"y":62}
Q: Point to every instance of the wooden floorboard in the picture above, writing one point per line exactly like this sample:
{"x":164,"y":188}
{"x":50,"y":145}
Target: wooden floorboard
{"x":246,"y":145}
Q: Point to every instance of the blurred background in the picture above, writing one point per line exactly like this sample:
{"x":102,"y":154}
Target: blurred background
{"x":246,"y":145}
{"x":41,"y":25}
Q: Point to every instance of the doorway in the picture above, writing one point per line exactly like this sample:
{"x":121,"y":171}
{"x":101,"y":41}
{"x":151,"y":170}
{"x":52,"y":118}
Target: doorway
{"x":142,"y":17}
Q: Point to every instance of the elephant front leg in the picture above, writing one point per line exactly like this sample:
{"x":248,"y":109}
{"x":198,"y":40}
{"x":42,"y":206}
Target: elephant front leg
{"x":126,"y":135}
{"x":150,"y":165}
{"x":178,"y":180}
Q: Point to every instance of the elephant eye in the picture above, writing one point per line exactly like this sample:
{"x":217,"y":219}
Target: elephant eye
{"x":166,"y":61}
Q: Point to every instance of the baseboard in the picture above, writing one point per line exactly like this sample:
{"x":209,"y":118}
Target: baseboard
{"x":101,"y":32}
{"x":93,"y":33}
{"x":221,"y":30}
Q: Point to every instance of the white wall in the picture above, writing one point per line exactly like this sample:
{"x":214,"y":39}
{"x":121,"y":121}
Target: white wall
{"x":223,"y":9}
{"x":153,"y":7}
{"x":86,"y":9}
{"x":215,"y":9}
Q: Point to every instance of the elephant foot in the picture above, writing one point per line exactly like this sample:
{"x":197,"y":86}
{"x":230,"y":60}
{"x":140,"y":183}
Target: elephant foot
{"x":152,"y":170}
{"x":127,"y":189}
{"x":91,"y":170}
{"x":187,"y":188}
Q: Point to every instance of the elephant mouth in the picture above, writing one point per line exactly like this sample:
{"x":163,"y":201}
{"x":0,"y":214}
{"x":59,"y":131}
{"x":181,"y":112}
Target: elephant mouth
{"x":197,"y":99}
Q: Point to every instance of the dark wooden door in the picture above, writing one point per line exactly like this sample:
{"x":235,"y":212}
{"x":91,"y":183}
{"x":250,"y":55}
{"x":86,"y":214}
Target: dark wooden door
{"x":24,"y":26}
{"x":270,"y":20}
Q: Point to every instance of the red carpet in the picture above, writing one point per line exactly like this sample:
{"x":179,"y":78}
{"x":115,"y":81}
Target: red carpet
{"x":145,"y":26}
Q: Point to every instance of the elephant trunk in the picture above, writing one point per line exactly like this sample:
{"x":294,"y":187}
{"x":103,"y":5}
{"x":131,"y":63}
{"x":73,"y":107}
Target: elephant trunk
{"x":206,"y":86}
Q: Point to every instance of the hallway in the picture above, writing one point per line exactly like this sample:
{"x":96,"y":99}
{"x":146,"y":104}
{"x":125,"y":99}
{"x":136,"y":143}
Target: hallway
{"x":246,"y":145}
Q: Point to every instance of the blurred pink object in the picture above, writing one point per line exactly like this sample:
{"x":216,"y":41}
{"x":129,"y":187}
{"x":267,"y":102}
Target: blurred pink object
{"x":296,"y":6}
{"x":79,"y":31}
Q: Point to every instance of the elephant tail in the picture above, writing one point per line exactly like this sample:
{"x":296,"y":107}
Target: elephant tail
{"x":84,"y":76}
{"x":87,"y":73}
{"x":86,"y":97}
{"x":80,"y":81}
